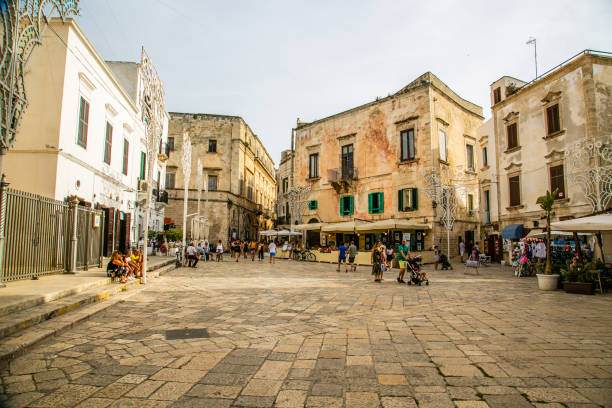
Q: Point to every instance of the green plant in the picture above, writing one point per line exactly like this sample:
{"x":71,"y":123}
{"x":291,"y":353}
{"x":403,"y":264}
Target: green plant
{"x":151,"y":234}
{"x":511,"y":88}
{"x":579,"y":273}
{"x":546,"y":203}
{"x":174,"y":235}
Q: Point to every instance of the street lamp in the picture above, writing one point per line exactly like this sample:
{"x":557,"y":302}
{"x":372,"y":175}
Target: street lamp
{"x":152,"y":107}
{"x":20,"y":31}
{"x":186,"y":163}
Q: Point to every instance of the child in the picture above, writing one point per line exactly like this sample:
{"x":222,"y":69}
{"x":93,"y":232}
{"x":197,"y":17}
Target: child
{"x":219,"y":251}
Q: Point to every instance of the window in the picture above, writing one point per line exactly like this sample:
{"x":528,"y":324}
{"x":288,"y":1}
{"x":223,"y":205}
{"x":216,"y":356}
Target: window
{"x":496,"y":95}
{"x":170,"y":143}
{"x":108,"y":142}
{"x":557,"y":180}
{"x":143,"y":165}
{"x":285,"y":185}
{"x":512,"y":134}
{"x":470,"y":203}
{"x":250,"y":189}
{"x":347,"y":161}
{"x":552,"y":119}
{"x":442,"y":139}
{"x":126,"y":152}
{"x":408,"y":199}
{"x":287,"y":216}
{"x":485,"y":157}
{"x":212,"y":183}
{"x":515,"y":190}
{"x":313,"y":166}
{"x":376,"y":204}
{"x":212,"y":146}
{"x":346,"y":206}
{"x":241,"y":186}
{"x":469,"y":153}
{"x":407,"y":144}
{"x":83,"y":123}
{"x":312,"y":205}
{"x":170,"y":180}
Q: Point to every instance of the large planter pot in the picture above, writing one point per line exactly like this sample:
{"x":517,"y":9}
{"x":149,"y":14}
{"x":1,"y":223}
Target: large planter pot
{"x":581,"y":288}
{"x":547,"y":282}
{"x":172,"y":251}
{"x":150,"y":251}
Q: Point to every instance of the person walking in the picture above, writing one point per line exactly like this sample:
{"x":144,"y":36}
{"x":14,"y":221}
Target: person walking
{"x":252,"y":249}
{"x":260,"y":251}
{"x":352,"y":250}
{"x":377,"y":260}
{"x":272,"y":249}
{"x":290,"y":250}
{"x":342,"y":257}
{"x":403,"y":255}
{"x":462,"y":250}
{"x":235,"y":246}
{"x":245,"y":249}
{"x":436,"y":253}
{"x":206,"y":251}
{"x":192,"y":255}
{"x":389,"y":257}
{"x":219,"y":251}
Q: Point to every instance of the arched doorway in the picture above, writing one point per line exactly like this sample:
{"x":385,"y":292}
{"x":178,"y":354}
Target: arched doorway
{"x":313,"y":238}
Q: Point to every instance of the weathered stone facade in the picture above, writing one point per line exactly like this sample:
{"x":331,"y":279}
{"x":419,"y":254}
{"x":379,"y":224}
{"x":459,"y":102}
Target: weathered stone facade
{"x":241,"y":176}
{"x":283,"y":181}
{"x":426,"y":106}
{"x":570,"y":105}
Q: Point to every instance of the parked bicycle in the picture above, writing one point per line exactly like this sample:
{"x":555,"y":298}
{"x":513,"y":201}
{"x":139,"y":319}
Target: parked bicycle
{"x":305,"y":255}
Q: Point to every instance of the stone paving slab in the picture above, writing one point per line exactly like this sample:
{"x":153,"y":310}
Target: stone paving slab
{"x":302,"y":335}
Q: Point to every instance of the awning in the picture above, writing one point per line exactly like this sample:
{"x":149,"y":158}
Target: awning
{"x":594,"y":223}
{"x":552,"y":233}
{"x":514,"y":231}
{"x":308,"y":227}
{"x":287,"y":233}
{"x":339,"y":227}
{"x":391,"y":224}
{"x":536,"y":232}
{"x":268,"y":233}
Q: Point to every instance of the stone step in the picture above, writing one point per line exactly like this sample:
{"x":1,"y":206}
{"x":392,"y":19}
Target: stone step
{"x":55,"y":287}
{"x":30,"y":326}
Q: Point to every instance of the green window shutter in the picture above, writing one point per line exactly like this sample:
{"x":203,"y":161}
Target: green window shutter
{"x":370,"y":199}
{"x":341,"y":205}
{"x":316,"y":204}
{"x":143,"y":161}
{"x":415,"y":199}
{"x":400,"y":200}
{"x":381,"y":203}
{"x":351,"y":205}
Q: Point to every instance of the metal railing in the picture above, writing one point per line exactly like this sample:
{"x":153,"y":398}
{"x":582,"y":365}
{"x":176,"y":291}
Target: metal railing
{"x":344,"y":173}
{"x":39,"y":233}
{"x":162,"y":196}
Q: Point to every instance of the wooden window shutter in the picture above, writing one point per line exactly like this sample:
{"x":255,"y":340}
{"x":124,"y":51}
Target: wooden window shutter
{"x":415,"y":199}
{"x":370,"y":203}
{"x":351,"y":205}
{"x":381,"y":202}
{"x":400,"y":200}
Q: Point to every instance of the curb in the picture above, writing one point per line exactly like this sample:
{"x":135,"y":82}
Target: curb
{"x":27,"y":335}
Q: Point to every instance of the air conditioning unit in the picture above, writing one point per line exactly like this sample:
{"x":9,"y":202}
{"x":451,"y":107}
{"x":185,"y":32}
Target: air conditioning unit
{"x":142,"y":185}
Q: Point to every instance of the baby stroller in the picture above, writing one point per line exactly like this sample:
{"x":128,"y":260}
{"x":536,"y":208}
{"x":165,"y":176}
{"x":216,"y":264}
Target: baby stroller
{"x":444,"y":261}
{"x":415,"y":267}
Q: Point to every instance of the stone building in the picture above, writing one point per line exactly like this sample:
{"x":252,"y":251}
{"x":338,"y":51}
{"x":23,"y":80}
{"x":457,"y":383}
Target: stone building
{"x":237,"y":169}
{"x":540,"y":129}
{"x":283,"y":182}
{"x":366,"y":167}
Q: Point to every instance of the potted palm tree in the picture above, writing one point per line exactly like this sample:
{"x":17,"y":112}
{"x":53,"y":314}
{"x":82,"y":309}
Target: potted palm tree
{"x":547,"y":281}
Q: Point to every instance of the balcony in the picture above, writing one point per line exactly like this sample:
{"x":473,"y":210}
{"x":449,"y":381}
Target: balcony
{"x":164,"y":152}
{"x":162,"y":197}
{"x":342,"y":178}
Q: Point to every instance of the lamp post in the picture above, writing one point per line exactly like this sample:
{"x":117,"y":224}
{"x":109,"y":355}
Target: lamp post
{"x":442,"y":186}
{"x":199,"y":183}
{"x":20,"y":31}
{"x":186,"y":163}
{"x":152,"y":107}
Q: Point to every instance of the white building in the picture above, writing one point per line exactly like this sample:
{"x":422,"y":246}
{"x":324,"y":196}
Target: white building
{"x":82,"y":134}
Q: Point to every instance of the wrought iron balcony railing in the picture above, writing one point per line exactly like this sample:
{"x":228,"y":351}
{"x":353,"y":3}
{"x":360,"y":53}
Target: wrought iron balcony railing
{"x":343,"y":173}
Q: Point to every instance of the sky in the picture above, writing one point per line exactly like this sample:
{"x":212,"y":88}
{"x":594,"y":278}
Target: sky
{"x":273,"y":61}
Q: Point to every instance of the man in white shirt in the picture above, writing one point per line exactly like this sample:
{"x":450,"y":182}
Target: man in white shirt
{"x":272,"y":249}
{"x":192,"y":255}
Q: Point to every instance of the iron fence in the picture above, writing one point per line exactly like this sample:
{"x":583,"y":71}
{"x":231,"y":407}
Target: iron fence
{"x":38,"y":233}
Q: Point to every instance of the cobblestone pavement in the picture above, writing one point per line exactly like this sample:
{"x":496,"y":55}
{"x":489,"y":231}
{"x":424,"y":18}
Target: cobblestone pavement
{"x":303,"y":335}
